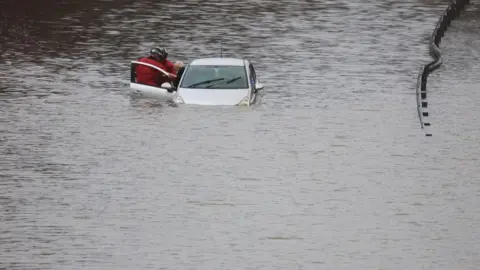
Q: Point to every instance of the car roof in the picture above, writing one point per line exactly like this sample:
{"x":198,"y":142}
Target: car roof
{"x":218,"y":61}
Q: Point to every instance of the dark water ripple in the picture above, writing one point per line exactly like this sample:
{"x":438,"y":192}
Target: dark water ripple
{"x":329,"y":171}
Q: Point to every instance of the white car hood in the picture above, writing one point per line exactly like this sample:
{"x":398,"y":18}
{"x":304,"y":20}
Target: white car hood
{"x":200,"y":96}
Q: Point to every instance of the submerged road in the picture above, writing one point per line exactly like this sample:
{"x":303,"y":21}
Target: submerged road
{"x":329,"y":171}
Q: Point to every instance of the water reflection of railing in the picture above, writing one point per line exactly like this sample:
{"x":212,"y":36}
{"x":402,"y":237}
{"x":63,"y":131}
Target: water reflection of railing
{"x":452,"y":12}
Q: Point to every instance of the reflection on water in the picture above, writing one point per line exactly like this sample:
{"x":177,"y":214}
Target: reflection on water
{"x":330,"y":170}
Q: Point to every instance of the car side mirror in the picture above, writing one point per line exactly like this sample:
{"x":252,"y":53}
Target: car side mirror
{"x":258,"y":86}
{"x":166,"y":85}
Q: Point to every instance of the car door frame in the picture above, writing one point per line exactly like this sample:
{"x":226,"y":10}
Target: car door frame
{"x":254,"y":80}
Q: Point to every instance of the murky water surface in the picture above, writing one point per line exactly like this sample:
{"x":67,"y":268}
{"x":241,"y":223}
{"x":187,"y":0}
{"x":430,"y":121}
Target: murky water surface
{"x":329,"y":171}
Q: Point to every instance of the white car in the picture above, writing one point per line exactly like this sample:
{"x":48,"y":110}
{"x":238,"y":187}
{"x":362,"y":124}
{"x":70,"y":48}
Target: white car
{"x":217,"y":81}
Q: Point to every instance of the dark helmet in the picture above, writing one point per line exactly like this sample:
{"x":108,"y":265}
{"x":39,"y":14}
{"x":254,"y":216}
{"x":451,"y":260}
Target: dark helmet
{"x":159,"y":53}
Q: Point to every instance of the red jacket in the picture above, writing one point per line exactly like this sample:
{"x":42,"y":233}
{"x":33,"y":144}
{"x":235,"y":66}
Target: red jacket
{"x":149,"y":76}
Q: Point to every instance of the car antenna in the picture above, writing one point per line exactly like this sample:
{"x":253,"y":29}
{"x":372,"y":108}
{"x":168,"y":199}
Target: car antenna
{"x":221,"y":48}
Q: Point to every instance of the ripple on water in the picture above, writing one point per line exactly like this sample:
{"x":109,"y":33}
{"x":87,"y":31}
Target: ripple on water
{"x":329,"y":169}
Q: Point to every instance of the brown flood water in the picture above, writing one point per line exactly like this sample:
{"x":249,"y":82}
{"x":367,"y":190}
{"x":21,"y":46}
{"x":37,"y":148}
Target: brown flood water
{"x":330,"y":170}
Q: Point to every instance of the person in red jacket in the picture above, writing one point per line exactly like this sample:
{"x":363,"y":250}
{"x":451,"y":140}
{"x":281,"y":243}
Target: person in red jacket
{"x":150,"y":76}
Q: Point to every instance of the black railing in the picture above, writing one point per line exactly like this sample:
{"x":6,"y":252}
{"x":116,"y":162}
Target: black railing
{"x":450,"y":14}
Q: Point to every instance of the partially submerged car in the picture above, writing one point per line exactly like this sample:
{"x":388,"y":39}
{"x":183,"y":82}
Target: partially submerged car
{"x":211,"y":81}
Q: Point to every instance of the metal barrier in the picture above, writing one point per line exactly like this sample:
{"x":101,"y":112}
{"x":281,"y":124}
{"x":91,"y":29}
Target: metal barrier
{"x":450,"y":14}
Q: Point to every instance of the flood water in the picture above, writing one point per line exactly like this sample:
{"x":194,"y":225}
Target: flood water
{"x":330,"y":170}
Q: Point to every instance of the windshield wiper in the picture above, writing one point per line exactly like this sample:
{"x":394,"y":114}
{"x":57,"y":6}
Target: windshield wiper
{"x":227,"y":82}
{"x":232,"y":80}
{"x":203,"y":82}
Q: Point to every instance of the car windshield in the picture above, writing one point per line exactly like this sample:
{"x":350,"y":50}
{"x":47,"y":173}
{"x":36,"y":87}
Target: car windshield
{"x":215,"y":77}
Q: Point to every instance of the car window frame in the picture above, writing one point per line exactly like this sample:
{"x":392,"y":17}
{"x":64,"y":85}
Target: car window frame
{"x":253,"y":74}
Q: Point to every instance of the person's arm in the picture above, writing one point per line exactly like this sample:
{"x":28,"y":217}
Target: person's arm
{"x":168,"y":67}
{"x":171,"y":70}
{"x":172,"y":76}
